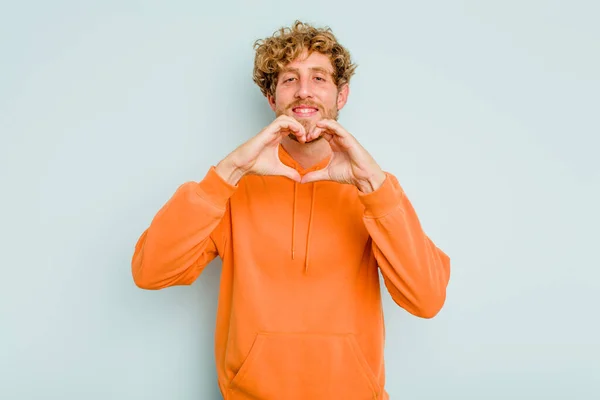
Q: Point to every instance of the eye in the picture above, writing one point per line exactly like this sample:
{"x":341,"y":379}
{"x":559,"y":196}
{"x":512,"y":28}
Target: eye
{"x":289,"y":79}
{"x":320,"y":78}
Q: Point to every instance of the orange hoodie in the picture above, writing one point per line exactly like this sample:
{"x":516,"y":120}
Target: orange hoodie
{"x":299,"y":313}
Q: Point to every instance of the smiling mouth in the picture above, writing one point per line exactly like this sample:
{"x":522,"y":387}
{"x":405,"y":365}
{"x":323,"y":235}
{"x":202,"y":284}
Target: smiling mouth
{"x":303,"y":111}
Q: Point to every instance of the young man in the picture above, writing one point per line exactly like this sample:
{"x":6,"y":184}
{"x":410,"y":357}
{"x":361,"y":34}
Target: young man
{"x":303,"y":219}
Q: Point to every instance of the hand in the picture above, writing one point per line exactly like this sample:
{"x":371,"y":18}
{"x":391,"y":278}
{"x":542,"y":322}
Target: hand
{"x":350,"y":162}
{"x":260,"y":154}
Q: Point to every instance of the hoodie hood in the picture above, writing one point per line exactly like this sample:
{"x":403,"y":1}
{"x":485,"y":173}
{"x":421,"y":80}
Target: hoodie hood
{"x":287,"y":159}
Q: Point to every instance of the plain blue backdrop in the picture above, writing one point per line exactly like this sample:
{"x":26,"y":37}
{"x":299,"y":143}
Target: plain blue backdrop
{"x":487,"y":112}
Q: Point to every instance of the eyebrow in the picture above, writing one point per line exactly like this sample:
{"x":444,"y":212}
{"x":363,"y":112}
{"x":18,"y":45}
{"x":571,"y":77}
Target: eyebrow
{"x":315,"y":69}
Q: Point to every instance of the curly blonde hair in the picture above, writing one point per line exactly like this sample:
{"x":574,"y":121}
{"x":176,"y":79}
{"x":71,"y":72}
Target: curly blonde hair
{"x":286,"y":44}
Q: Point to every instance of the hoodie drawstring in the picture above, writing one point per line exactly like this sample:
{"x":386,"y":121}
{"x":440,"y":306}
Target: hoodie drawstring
{"x":294,"y":220}
{"x":312,"y":204}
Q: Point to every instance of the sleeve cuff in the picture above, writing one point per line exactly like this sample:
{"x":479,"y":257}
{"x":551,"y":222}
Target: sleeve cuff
{"x":214,"y":189}
{"x":383,"y":200}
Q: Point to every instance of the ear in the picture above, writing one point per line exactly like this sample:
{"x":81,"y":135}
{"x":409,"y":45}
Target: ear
{"x":271,"y":100}
{"x":342,"y":97}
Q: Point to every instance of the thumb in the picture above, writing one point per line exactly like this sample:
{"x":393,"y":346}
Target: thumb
{"x":319,"y":175}
{"x":288,"y":172}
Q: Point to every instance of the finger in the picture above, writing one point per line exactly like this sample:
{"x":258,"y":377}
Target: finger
{"x":333,"y":130}
{"x":286,"y":120}
{"x":292,"y":126}
{"x":287,"y":132}
{"x":283,"y":125}
{"x":332,"y":126}
{"x":317,"y":132}
{"x":319,"y":175}
{"x":314,"y":133}
{"x":288,"y":172}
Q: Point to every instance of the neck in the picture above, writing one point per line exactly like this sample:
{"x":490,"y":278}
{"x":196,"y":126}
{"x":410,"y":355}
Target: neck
{"x":307,"y":154}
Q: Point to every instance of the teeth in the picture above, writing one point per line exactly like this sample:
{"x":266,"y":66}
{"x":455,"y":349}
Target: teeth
{"x":305,"y":110}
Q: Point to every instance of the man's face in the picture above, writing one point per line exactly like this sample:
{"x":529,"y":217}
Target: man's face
{"x":307,"y":91}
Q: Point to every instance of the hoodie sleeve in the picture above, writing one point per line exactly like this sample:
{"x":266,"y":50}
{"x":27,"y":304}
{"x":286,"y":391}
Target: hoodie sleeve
{"x":186,"y":234}
{"x":415,"y":271}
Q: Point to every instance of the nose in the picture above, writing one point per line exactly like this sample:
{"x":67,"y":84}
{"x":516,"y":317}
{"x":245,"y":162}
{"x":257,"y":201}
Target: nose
{"x":304,"y":89}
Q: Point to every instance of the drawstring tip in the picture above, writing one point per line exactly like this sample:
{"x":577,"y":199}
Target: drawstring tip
{"x":292,"y":254}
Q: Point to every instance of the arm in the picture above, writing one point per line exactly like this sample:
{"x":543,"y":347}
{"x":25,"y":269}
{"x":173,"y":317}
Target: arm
{"x":193,"y":227}
{"x":416,"y":272}
{"x":185,"y":235}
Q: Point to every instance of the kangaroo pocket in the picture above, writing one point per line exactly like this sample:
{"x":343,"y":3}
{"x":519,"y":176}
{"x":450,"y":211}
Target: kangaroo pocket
{"x":304,"y":366}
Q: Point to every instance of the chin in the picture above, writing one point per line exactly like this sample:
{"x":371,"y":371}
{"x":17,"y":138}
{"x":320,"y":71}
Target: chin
{"x":308,"y":124}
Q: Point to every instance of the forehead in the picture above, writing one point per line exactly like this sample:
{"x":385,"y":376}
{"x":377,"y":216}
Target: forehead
{"x":315,"y":61}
